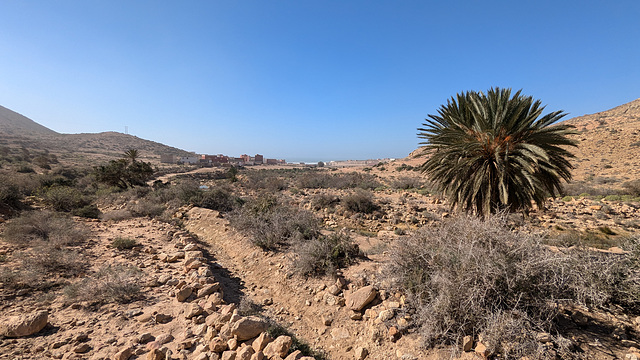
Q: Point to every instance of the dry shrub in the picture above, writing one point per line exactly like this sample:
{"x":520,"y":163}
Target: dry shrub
{"x":45,"y":226}
{"x":219,"y":199}
{"x":46,"y":258}
{"x":123,"y":243}
{"x":406,"y":183}
{"x":325,"y":254}
{"x":117,"y":215}
{"x":632,"y":187}
{"x":112,"y":284}
{"x":473,"y":277}
{"x":146,"y":207}
{"x":270,"y":224}
{"x":324,"y":180}
{"x":322,"y":201}
{"x":360,"y":201}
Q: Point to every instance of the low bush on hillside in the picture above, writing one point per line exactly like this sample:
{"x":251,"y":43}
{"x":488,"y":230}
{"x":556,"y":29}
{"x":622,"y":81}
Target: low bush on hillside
{"x":360,"y":202}
{"x":10,"y":194}
{"x":268,"y":180}
{"x":123,"y":243}
{"x":270,"y":224}
{"x":325,"y":254}
{"x":322,"y":201}
{"x":406,"y":183}
{"x":325,"y":180}
{"x":473,"y":277}
{"x":64,"y":198}
{"x":44,"y":226}
{"x":632,"y":187}
{"x":220,"y":199}
{"x":112,"y":284}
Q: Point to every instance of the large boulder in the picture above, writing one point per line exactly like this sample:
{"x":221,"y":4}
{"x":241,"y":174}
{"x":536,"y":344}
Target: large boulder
{"x":24,"y":325}
{"x":248,"y":327}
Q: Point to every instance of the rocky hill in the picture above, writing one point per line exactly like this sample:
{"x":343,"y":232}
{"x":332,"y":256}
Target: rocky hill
{"x":18,"y":131}
{"x":609,"y":148}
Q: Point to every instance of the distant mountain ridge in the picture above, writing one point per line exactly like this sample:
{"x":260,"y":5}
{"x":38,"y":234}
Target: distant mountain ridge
{"x":17,"y":130}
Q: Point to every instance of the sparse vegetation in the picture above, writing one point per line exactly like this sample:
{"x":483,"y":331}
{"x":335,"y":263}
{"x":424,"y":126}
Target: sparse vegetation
{"x":124,"y":243}
{"x":271,"y":224}
{"x":360,"y":201}
{"x":44,"y":226}
{"x":325,"y":254}
{"x":111,"y":284}
{"x":474,"y":277}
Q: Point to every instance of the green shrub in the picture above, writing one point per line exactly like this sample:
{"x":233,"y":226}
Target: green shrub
{"x":90,"y":211}
{"x":123,"y":243}
{"x":64,"y":198}
{"x":613,"y":198}
{"x":325,"y":254}
{"x":360,"y":202}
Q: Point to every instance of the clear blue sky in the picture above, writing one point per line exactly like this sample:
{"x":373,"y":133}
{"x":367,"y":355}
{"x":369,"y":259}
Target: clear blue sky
{"x":313,"y":80}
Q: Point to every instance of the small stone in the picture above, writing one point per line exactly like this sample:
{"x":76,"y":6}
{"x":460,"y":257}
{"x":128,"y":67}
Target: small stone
{"x":386,"y":315}
{"x":228,"y":355}
{"x":261,"y":341}
{"x":333,"y":290}
{"x":361,"y":353}
{"x":82,"y":348}
{"x":164,"y":338}
{"x":208,"y":289}
{"x":543,"y":337}
{"x":481,"y":349}
{"x":339,"y":333}
{"x":124,"y":354}
{"x":162,"y":318}
{"x":327,"y":320}
{"x":356,"y":315}
{"x":184,"y":293}
{"x":145,"y":338}
{"x":296,"y":355}
{"x":359,"y":299}
{"x":217,"y":344}
{"x":245,"y":353}
{"x":393,"y":334}
{"x":467,"y":343}
{"x":193,"y":310}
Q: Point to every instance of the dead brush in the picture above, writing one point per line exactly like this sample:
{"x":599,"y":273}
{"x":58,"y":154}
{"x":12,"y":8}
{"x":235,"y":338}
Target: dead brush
{"x":111,"y":284}
{"x":474,"y":277}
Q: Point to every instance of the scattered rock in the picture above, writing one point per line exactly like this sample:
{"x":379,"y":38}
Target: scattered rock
{"x":361,"y":353}
{"x":467,"y":343}
{"x":359,"y":299}
{"x":124,"y":354}
{"x":249,"y":327}
{"x":279,"y":346}
{"x":24,"y":325}
{"x":184,"y":293}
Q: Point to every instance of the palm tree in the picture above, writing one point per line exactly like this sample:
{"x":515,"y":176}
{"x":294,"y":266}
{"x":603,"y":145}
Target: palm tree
{"x":131,"y":155}
{"x":494,"y":152}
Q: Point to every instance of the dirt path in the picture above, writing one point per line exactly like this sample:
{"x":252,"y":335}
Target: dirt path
{"x":303,"y":306}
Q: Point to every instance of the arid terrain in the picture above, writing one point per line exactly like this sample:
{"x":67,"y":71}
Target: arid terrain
{"x":292,"y":262}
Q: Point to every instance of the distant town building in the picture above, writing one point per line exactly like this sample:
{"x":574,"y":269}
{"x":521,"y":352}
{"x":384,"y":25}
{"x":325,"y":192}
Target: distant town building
{"x":189,"y":159}
{"x":168,"y":159}
{"x":258,"y":159}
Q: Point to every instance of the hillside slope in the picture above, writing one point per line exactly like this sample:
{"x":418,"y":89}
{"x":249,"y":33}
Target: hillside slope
{"x":609,"y":146}
{"x":12,"y":123}
{"x":18,"y":131}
